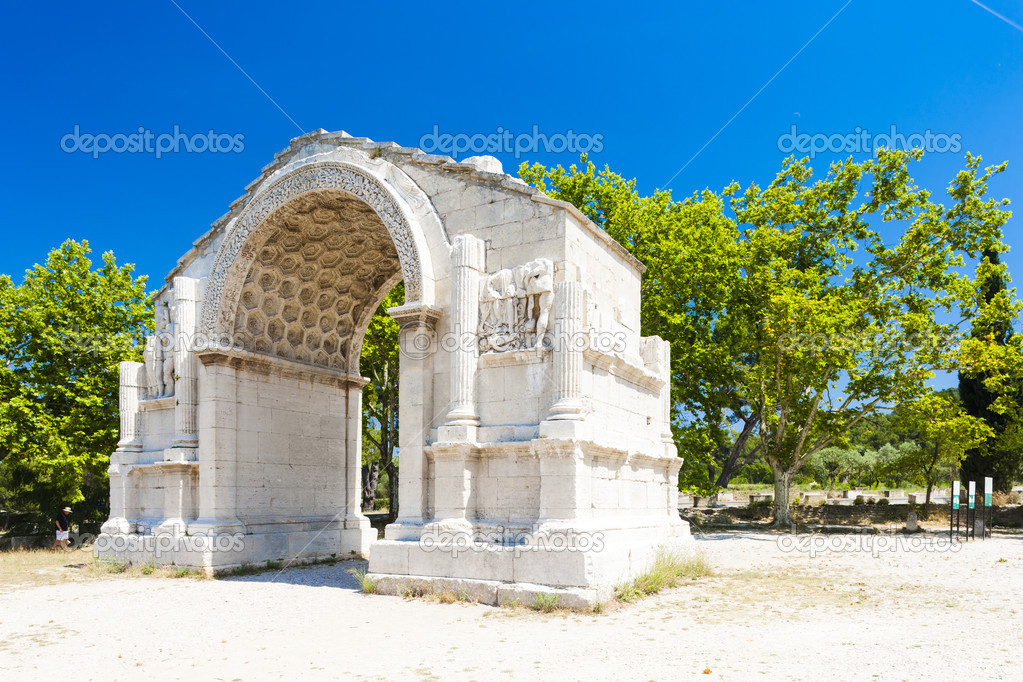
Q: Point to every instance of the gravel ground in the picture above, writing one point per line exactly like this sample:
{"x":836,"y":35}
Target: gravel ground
{"x":849,"y":611}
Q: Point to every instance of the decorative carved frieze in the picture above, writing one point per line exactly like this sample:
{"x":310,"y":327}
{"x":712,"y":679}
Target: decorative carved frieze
{"x":515,"y":307}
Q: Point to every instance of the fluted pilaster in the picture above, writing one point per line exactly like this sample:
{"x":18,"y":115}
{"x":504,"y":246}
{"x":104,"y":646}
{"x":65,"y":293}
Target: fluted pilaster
{"x":187,"y":295}
{"x":569,"y":343}
{"x":468,"y":260}
{"x":132,"y":390}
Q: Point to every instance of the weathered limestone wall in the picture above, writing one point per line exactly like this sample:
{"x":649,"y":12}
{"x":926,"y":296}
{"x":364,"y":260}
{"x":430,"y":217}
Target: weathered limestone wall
{"x":291,"y":449}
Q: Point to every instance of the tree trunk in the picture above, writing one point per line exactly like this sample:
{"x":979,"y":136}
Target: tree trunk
{"x":732,"y":463}
{"x":392,"y":485}
{"x":928,"y":473}
{"x":370,"y":481}
{"x":782,"y":481}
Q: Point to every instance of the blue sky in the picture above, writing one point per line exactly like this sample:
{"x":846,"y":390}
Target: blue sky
{"x":656,"y":81}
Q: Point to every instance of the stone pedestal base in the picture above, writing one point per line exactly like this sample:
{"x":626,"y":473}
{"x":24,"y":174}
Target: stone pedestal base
{"x":220,"y":552}
{"x":582,"y":570}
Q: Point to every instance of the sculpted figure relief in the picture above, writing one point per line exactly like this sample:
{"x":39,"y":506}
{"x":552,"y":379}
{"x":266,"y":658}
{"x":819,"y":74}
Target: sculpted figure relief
{"x":515,"y":306}
{"x":158,"y":355}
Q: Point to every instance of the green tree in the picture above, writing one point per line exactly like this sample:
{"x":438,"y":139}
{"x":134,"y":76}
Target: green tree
{"x":63,"y":332}
{"x":1001,"y":455}
{"x":843,"y":336}
{"x":379,"y":363}
{"x":943,"y":433}
{"x":809,"y":309}
{"x":830,"y":465}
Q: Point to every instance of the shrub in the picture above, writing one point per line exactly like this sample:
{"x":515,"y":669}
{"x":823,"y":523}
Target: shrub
{"x":1000,"y":498}
{"x":669,"y":568}
{"x":871,"y":500}
{"x":883,"y":500}
{"x":823,"y":502}
{"x":859,"y":500}
{"x":368,"y":585}
{"x":545,"y":603}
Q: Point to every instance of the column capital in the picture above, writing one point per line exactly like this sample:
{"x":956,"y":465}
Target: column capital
{"x":416,"y":316}
{"x":186,"y":289}
{"x":469,"y":251}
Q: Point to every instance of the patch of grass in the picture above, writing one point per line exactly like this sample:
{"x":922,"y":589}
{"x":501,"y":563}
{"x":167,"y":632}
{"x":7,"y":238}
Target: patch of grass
{"x":115,"y":566}
{"x":367,"y":584}
{"x":244,"y":569}
{"x":545,"y":602}
{"x":147,"y":569}
{"x":413,"y":592}
{"x":670,"y":568}
{"x":186,"y":573}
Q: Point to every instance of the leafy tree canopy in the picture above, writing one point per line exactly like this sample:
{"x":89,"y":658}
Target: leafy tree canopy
{"x":63,"y":332}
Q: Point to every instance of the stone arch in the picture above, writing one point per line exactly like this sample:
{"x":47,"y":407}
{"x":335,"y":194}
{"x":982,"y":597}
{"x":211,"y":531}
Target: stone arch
{"x":252,"y":241}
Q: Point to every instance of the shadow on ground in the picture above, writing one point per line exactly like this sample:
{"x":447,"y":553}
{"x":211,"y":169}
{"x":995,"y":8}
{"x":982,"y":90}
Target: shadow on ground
{"x":316,"y":575}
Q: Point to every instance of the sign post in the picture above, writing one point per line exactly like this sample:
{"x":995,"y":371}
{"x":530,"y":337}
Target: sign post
{"x":989,"y":514}
{"x":955,"y":508}
{"x":971,"y":508}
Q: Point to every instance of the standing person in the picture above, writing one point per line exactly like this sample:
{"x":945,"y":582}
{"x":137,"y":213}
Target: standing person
{"x":63,"y":526}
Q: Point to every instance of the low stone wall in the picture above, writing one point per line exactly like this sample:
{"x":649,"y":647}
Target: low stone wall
{"x":1010,"y":516}
{"x":24,"y":542}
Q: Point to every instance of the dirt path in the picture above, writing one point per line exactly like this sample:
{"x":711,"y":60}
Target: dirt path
{"x":843,"y":614}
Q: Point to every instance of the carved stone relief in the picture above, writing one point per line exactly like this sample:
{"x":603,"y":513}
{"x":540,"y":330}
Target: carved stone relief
{"x":515,"y":307}
{"x":158,"y":355}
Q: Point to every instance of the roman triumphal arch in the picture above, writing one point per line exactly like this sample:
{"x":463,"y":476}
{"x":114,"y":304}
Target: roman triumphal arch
{"x":534,"y":447}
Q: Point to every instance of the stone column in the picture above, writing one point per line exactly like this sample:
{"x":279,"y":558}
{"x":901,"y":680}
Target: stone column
{"x":468,"y":259}
{"x":133,"y":385}
{"x":666,"y":436}
{"x":353,"y":454}
{"x":569,"y":308}
{"x":417,"y":344}
{"x":132,"y":391}
{"x":356,"y":532}
{"x":186,"y":295}
{"x":218,"y":447}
